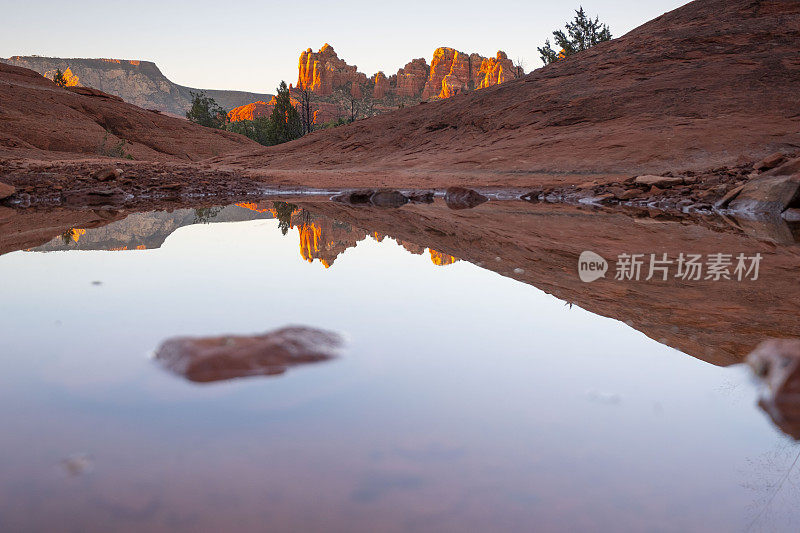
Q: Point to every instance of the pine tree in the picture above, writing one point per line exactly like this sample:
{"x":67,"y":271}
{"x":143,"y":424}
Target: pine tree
{"x":285,"y":120}
{"x":206,"y":112}
{"x":582,"y":34}
{"x":60,"y":79}
{"x":283,"y":212}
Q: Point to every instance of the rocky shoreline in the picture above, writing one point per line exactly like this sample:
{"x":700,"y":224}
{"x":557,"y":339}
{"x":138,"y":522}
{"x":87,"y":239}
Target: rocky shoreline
{"x":767,"y":188}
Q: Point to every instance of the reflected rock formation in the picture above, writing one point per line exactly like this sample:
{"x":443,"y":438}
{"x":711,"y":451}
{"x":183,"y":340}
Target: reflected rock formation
{"x":440,"y":259}
{"x":777,"y":363}
{"x":208,"y":359}
{"x":324,"y":238}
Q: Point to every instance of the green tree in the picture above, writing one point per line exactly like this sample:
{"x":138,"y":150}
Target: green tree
{"x":283,"y":212}
{"x":582,"y":33}
{"x":60,"y":79}
{"x":286,"y":124}
{"x":206,"y":112}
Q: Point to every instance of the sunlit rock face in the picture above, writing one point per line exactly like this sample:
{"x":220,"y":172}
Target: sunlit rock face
{"x":381,"y":85}
{"x":441,"y":259}
{"x":70,"y":77}
{"x":249,"y":111}
{"x":497,"y":70}
{"x":208,"y":359}
{"x":322,"y":71}
{"x":453,"y":72}
{"x":321,"y":111}
{"x":450,"y":72}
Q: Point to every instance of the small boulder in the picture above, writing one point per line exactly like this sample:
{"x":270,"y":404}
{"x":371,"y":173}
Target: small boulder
{"x":107,"y":174}
{"x":630,"y":194}
{"x":789,"y":168}
{"x":771,"y":194}
{"x":462,"y":198}
{"x":615,"y":190}
{"x":770,"y":162}
{"x":658,"y":181}
{"x":777,"y":363}
{"x":388,"y":199}
{"x":6,"y":190}
{"x":359,"y":197}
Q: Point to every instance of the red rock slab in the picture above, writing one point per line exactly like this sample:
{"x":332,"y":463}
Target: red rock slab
{"x":207,"y":359}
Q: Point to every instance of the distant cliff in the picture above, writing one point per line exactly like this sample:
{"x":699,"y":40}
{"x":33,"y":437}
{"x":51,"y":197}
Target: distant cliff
{"x":450,"y":72}
{"x":138,"y":82}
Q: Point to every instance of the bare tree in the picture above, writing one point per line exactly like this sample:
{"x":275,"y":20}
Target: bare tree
{"x":519,"y":66}
{"x":306,"y":115}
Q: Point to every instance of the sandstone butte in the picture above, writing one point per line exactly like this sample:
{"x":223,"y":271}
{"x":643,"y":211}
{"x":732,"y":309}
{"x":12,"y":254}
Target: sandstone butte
{"x":449,"y":73}
{"x":327,"y":77}
{"x":711,"y":84}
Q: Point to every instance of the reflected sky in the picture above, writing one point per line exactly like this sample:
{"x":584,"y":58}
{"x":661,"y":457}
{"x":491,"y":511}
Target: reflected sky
{"x":465,"y":401}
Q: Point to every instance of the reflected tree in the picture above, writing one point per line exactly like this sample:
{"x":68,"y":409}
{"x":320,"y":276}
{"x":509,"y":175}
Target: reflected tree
{"x":283,"y":212}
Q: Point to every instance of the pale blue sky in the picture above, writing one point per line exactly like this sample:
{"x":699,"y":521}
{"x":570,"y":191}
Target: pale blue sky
{"x":253,"y":45}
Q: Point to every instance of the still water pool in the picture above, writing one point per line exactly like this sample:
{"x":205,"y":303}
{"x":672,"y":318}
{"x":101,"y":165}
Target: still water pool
{"x":464,"y":400}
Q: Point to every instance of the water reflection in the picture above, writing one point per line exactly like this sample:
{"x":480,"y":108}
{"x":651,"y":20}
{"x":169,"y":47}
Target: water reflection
{"x":719,"y":322}
{"x":468,"y":398}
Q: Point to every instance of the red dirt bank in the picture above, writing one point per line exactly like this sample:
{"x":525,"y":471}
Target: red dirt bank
{"x":711,"y":84}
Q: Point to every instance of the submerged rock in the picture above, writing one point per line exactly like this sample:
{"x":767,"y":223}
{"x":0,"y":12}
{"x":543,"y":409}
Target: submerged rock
{"x":207,"y":359}
{"x":777,"y":363}
{"x":461,"y":198}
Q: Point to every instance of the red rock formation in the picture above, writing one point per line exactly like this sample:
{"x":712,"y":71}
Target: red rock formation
{"x":323,"y":238}
{"x":453,"y":72}
{"x":250,"y":111}
{"x":411,"y":78}
{"x":323,"y":71}
{"x":381,"y":85}
{"x":441,"y":259}
{"x":497,"y":70}
{"x":412,"y":248}
{"x":321,"y":111}
{"x":71,"y":79}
